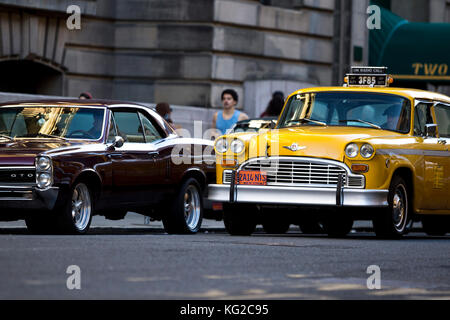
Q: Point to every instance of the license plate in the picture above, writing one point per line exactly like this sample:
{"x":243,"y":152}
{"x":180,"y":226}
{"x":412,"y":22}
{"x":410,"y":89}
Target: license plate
{"x":254,"y":178}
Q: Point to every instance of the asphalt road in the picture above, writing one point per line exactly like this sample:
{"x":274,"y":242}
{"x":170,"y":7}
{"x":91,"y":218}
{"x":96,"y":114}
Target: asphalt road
{"x":130,"y":260}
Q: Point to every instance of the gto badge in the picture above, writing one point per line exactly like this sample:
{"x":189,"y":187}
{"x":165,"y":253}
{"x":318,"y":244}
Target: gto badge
{"x":295,"y":147}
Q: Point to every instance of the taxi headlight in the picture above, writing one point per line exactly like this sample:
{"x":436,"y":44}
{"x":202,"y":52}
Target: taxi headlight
{"x":44,"y":180}
{"x":366,"y":150}
{"x":221,"y":145}
{"x":351,"y":150}
{"x":43,"y":163}
{"x":237,"y":146}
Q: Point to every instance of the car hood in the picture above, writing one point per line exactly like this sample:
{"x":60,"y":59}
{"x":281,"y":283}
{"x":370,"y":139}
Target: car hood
{"x":22,"y":152}
{"x":317,"y":142}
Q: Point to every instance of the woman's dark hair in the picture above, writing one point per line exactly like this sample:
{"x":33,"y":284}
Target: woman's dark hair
{"x":274,"y":108}
{"x":85,"y":95}
{"x":230,"y":92}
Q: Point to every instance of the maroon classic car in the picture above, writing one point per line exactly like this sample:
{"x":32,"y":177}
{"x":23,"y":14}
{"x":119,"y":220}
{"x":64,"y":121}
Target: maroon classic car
{"x":61,"y":162}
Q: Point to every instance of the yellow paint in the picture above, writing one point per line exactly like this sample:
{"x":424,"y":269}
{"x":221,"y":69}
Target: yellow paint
{"x":400,"y":151}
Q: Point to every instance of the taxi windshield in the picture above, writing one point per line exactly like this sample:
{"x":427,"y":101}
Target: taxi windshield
{"x":355,"y":109}
{"x":51,"y":122}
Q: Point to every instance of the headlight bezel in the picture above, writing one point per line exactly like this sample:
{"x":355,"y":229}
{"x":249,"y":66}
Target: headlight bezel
{"x":364,"y":154}
{"x":241,"y":146}
{"x":355,"y":152}
{"x":39,"y":180}
{"x":47,"y":165}
{"x":44,"y":170}
{"x":221,"y":145}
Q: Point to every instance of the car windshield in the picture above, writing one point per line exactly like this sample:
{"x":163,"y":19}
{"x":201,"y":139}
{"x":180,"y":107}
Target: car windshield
{"x":355,"y":109}
{"x":51,"y":122}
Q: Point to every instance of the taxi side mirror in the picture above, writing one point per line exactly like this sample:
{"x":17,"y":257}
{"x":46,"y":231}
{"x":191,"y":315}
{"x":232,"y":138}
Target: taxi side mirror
{"x":431,"y":130}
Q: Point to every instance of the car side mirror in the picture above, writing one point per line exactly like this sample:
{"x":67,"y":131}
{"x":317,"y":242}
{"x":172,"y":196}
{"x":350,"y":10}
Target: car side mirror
{"x":118,"y":142}
{"x":431,"y":130}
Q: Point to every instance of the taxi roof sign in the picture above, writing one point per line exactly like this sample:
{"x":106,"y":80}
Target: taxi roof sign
{"x":368,"y":77}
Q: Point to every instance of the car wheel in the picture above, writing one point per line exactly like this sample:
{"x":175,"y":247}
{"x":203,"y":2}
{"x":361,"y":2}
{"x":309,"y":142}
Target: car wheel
{"x":186,"y":214}
{"x":274,"y":223}
{"x":436,"y":225}
{"x":239,"y":219}
{"x":337,"y":224}
{"x":41,"y":223}
{"x":393,"y":221}
{"x":77,"y":213}
{"x":309,"y":225}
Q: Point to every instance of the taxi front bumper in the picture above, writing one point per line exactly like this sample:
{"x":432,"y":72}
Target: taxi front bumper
{"x":298,"y":195}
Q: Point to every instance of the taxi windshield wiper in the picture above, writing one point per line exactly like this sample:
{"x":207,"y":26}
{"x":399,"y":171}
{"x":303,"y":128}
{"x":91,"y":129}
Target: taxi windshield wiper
{"x":307,"y":120}
{"x":362,"y":121}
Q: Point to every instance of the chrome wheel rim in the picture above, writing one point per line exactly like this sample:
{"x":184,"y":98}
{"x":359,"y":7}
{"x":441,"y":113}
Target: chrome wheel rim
{"x":192,"y":207}
{"x":81,"y":206}
{"x":400,"y":208}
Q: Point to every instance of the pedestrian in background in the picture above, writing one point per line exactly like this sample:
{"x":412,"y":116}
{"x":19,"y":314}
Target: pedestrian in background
{"x":225,"y":119}
{"x":165,"y":111}
{"x":275,"y":105}
{"x":85,"y":95}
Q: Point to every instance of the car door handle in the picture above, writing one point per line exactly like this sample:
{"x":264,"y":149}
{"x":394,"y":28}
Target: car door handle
{"x":153,"y":153}
{"x":443,"y":142}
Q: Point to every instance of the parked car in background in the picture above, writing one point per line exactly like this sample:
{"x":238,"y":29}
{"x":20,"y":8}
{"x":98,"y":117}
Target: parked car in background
{"x":64,"y":161}
{"x":338,"y":154}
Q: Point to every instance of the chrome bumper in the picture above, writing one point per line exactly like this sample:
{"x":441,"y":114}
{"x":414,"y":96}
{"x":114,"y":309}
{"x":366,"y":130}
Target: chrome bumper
{"x":32,"y":198}
{"x":298,"y":195}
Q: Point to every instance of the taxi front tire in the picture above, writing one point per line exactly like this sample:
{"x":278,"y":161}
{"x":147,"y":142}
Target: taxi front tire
{"x":240,"y":219}
{"x":275,"y":221}
{"x":393,"y":221}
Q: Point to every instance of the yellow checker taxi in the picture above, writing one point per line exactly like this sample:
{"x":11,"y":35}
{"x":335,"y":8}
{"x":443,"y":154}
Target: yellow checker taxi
{"x":364,"y":151}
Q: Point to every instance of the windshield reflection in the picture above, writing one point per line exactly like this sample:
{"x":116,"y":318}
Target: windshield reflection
{"x":51,"y":122}
{"x":355,"y":109}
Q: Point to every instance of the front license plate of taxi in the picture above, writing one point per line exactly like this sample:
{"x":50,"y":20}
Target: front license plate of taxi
{"x":253,"y":178}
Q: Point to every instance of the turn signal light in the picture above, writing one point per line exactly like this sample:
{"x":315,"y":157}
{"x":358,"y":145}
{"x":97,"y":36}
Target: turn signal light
{"x":360,"y":168}
{"x":229,"y":162}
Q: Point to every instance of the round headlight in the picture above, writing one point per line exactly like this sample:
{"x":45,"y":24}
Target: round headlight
{"x":351,"y":150}
{"x":44,"y":163}
{"x":366,"y":150}
{"x":44,"y":180}
{"x":237,"y":146}
{"x":221,"y":145}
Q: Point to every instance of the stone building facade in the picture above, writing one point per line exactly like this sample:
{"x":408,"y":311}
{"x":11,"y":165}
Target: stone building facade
{"x":186,"y":52}
{"x":180,"y":51}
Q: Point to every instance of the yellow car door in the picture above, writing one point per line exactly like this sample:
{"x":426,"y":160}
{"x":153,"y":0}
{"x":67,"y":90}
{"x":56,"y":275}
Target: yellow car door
{"x":435,"y":192}
{"x":442,"y":115}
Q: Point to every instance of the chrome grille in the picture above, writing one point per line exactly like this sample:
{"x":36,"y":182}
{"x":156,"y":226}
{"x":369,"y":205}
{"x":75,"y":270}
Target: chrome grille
{"x":301,"y":172}
{"x":17,"y":176}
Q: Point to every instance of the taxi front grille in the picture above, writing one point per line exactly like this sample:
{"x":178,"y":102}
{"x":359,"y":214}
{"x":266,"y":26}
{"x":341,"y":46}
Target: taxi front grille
{"x":301,"y":172}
